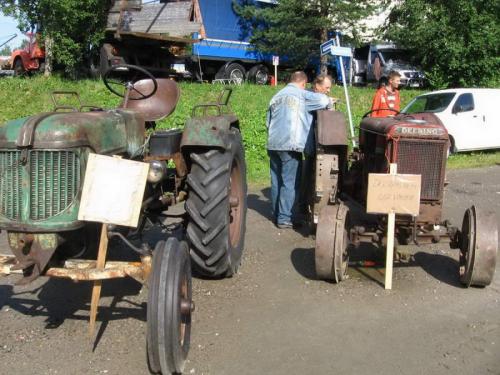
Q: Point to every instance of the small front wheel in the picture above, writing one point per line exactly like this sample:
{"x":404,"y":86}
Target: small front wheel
{"x":169,"y":308}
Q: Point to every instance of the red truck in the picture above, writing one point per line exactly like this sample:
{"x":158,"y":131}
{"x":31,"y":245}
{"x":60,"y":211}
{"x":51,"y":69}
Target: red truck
{"x":30,"y":58}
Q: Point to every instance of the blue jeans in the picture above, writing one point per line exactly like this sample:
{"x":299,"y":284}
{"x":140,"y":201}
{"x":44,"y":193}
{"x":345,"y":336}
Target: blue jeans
{"x":285,"y":182}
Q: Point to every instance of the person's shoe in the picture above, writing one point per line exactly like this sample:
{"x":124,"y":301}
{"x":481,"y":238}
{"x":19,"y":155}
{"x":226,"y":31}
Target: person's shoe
{"x":285,"y":225}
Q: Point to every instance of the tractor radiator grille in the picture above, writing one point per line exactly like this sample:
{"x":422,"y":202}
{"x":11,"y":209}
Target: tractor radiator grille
{"x":55,"y":180}
{"x":427,"y":158}
{"x":10,"y":184}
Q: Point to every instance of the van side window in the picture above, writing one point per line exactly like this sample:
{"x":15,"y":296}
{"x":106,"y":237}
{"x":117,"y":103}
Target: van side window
{"x":464,"y":103}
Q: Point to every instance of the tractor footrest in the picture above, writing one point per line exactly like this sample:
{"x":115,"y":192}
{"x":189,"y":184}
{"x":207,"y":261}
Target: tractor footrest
{"x":85,"y":270}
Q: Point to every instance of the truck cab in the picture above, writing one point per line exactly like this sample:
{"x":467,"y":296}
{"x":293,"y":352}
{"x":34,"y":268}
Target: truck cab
{"x":375,"y":61}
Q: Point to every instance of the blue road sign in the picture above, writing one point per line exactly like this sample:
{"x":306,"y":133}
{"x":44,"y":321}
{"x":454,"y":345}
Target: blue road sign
{"x":326,"y":47}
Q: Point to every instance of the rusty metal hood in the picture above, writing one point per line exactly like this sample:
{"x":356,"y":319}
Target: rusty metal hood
{"x":417,"y":125}
{"x":105,"y":132}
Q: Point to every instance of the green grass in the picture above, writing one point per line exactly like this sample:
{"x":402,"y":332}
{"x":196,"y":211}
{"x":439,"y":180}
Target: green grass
{"x":23,"y":97}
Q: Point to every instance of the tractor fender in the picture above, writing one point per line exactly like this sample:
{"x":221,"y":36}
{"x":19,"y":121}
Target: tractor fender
{"x":331,"y":128}
{"x":208,"y":131}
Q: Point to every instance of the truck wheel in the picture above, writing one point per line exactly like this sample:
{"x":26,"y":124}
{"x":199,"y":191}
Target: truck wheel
{"x":19,"y":68}
{"x":258,"y":74}
{"x":169,"y":308}
{"x":236,"y":72}
{"x":217,"y":208}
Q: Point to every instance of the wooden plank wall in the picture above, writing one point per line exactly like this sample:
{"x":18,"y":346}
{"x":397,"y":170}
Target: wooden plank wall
{"x":172,"y":18}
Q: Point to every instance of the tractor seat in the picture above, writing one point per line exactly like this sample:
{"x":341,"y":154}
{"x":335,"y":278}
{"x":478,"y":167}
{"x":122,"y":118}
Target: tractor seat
{"x":158,"y":106}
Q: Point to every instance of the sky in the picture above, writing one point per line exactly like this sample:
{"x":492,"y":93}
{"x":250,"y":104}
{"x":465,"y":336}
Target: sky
{"x":8,"y":26}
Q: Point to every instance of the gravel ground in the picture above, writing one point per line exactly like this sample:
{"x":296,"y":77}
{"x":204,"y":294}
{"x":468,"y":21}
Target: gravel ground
{"x":274,"y":317}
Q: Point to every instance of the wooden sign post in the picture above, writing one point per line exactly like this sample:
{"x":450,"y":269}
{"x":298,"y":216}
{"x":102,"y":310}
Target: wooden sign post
{"x":112,"y":194}
{"x":393,"y":194}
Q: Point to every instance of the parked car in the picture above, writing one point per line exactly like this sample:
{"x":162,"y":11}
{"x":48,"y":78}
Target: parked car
{"x":471,"y":116}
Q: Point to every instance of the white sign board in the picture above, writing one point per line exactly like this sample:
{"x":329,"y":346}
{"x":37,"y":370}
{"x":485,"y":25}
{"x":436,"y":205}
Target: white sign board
{"x":276,"y":60}
{"x":113,"y":190}
{"x":393,"y":193}
{"x":341,"y":51}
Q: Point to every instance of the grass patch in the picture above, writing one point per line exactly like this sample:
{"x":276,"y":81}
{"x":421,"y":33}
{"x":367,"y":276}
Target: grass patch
{"x":474,"y":159}
{"x":21,"y":97}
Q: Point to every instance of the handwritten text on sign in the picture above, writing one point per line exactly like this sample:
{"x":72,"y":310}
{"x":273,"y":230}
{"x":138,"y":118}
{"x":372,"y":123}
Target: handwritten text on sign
{"x":399,"y":193}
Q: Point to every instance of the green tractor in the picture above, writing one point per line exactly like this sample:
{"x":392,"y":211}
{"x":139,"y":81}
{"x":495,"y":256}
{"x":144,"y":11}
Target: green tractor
{"x":43,"y":161}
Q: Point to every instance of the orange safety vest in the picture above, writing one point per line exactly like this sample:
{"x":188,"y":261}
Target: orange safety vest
{"x":384,"y":101}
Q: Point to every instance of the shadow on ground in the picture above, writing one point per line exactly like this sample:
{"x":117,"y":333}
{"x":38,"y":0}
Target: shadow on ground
{"x":261,"y":203}
{"x":440,"y":267}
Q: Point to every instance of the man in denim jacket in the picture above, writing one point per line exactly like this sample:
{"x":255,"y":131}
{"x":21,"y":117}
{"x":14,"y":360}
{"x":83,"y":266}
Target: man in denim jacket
{"x":289,"y":119}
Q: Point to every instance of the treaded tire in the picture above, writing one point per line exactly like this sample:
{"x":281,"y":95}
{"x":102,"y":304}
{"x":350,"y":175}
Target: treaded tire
{"x":258,"y":74}
{"x":217,"y":208}
{"x":236,"y":72}
{"x":169,"y":308}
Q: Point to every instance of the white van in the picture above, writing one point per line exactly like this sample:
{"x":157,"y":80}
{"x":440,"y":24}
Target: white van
{"x":471,"y":116}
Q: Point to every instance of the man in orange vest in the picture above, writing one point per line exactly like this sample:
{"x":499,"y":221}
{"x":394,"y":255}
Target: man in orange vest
{"x":386,"y":101}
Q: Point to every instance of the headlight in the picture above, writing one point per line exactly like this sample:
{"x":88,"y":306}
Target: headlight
{"x":157,"y":171}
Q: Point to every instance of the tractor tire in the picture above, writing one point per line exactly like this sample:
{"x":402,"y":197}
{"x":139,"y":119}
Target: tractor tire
{"x":19,"y":68}
{"x":217,"y":208}
{"x":258,"y":74}
{"x":169,"y":308}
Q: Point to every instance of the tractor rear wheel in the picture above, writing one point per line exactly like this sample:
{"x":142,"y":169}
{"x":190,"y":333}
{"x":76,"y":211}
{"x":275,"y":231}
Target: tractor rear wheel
{"x":217,"y":208}
{"x":478,"y":247}
{"x":169,"y":308}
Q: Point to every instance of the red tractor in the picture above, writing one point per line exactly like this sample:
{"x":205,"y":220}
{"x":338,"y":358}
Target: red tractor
{"x":31,"y":58}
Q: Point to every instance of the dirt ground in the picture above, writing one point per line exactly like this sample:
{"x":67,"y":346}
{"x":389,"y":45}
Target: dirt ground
{"x":274,"y":317}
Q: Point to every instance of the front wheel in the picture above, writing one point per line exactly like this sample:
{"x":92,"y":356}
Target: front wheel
{"x":217,"y":208}
{"x":169,"y":308}
{"x":19,"y":68}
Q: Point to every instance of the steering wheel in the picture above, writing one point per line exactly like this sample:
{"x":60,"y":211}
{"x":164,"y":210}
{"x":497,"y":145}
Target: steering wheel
{"x":125,"y":81}
{"x":376,"y":110}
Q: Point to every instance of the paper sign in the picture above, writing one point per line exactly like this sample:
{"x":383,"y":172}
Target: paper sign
{"x":276,"y":60}
{"x":398,"y":193}
{"x":113,"y":190}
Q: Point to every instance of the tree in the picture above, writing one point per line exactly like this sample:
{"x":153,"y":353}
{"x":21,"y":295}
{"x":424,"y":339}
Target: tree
{"x":455,"y":41}
{"x":296,"y":28}
{"x":69,"y":27}
{"x":5,"y":50}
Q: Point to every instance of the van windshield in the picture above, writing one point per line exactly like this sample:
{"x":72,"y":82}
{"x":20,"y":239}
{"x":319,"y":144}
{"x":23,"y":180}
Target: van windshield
{"x":429,"y":103}
{"x":393,"y":55}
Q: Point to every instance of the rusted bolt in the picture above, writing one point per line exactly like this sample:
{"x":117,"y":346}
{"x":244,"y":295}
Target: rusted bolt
{"x":234,"y":201}
{"x":187,"y":307}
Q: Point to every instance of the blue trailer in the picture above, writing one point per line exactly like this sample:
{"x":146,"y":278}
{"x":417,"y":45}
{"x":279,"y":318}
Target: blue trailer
{"x":204,"y":39}
{"x":224,"y":51}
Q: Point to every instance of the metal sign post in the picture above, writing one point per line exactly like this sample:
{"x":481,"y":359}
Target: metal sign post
{"x":344,"y":83}
{"x":276,"y":62}
{"x":333,"y":48}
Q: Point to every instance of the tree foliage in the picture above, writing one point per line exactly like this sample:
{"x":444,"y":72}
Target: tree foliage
{"x":73,"y":25}
{"x":455,"y":41}
{"x":296,"y":28}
